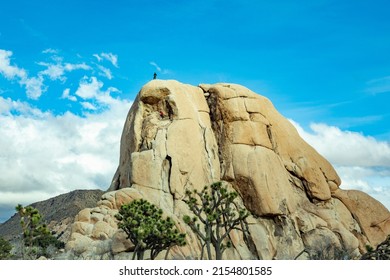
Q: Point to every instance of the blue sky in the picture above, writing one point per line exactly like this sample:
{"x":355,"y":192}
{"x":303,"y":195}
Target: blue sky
{"x":69,"y":71}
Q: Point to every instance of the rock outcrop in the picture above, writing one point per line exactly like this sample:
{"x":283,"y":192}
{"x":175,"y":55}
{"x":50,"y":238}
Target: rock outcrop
{"x":180,"y":137}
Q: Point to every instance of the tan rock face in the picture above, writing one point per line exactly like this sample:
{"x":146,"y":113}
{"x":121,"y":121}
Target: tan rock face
{"x":179,"y":137}
{"x":372,"y":216}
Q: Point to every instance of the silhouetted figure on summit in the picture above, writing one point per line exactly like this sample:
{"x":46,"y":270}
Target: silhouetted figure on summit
{"x":154,"y":76}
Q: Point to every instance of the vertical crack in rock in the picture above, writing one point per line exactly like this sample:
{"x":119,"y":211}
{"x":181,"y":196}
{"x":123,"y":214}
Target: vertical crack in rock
{"x":250,"y":243}
{"x":333,"y":184}
{"x":271,"y":139}
{"x":169,"y":160}
{"x":170,"y":108}
{"x":307,"y":190}
{"x":129,"y":173}
{"x":217,"y":126}
{"x":295,"y":178}
{"x":208,"y":152}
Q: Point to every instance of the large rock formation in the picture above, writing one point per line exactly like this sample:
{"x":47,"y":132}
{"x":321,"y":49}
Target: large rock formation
{"x":180,"y":137}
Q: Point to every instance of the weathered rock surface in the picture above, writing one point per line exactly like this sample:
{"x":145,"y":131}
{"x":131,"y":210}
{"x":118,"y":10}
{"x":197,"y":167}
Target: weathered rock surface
{"x":180,"y":137}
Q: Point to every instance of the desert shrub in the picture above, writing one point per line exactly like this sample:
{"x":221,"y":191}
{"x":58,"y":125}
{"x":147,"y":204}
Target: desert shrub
{"x":145,"y":226}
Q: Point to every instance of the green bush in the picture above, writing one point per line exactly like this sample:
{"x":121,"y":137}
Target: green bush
{"x":147,"y":229}
{"x":5,"y":249}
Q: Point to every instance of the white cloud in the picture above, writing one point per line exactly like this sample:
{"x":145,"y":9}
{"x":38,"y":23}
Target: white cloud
{"x":362,"y":162}
{"x":105,"y":72}
{"x":49,"y":50}
{"x":159,"y":69}
{"x":71,"y":67}
{"x":92,"y":89}
{"x":34,"y":85}
{"x":53,"y":71}
{"x":346,"y":147}
{"x":89,"y":88}
{"x":57,"y":71}
{"x":88,"y":106}
{"x":10,"y":71}
{"x":66,"y":95}
{"x":97,"y":57}
{"x":109,"y":57}
{"x":43,"y":155}
{"x":377,"y":86}
{"x":8,"y":106}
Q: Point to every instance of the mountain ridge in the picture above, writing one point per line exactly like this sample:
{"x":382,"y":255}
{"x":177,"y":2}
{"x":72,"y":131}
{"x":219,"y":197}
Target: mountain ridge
{"x":58,"y":212}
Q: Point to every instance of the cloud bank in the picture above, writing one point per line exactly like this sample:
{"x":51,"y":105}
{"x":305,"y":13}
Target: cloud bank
{"x":362,"y":162}
{"x":43,"y":155}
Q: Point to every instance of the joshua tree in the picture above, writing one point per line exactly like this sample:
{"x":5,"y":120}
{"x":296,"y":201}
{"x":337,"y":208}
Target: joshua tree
{"x":35,"y":234}
{"x":147,"y":229}
{"x":219,"y":214}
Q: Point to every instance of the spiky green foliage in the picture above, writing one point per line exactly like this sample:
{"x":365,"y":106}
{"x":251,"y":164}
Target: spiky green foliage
{"x":145,"y":226}
{"x":36,"y":237}
{"x":215,"y":208}
{"x":5,"y":249}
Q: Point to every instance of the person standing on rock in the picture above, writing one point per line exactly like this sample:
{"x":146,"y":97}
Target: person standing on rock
{"x":154,"y":75}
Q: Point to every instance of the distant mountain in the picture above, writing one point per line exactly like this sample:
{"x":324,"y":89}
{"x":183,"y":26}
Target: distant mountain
{"x":58,"y":212}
